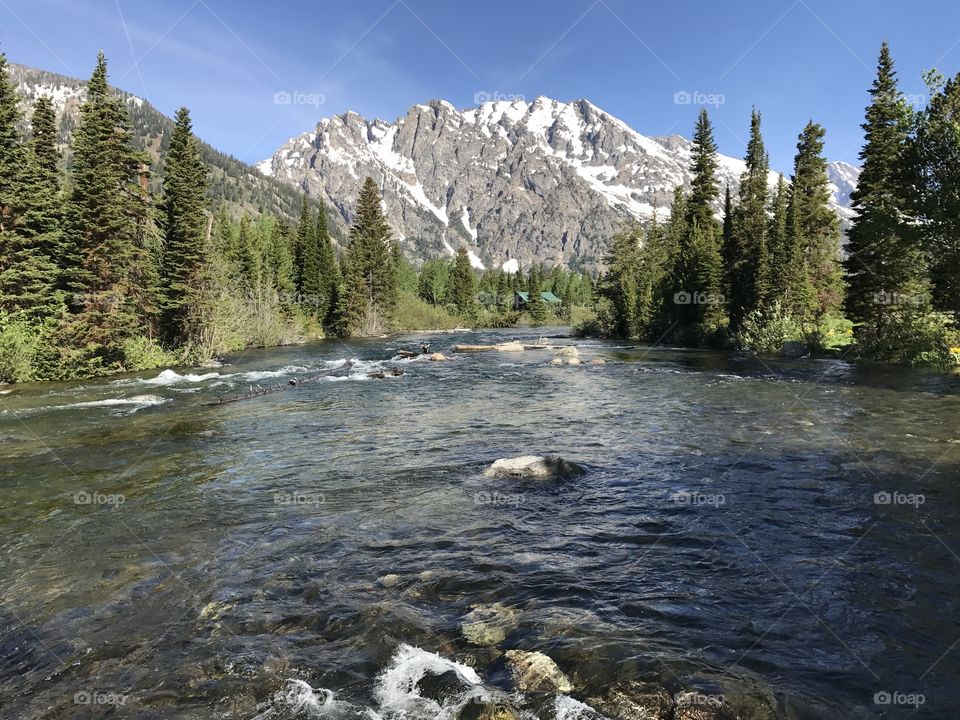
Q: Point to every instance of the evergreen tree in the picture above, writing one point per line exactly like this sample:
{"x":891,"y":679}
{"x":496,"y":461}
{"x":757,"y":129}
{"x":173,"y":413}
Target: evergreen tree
{"x":108,"y":221}
{"x":935,"y":174}
{"x":536,"y":306}
{"x":371,"y":281}
{"x":816,"y":228}
{"x":619,"y":283}
{"x":304,"y":230}
{"x":313,"y":287}
{"x":29,"y":219}
{"x":696,"y":271}
{"x":728,"y":249}
{"x":883,"y":259}
{"x":329,"y":271}
{"x":184,"y":220}
{"x":749,"y":261}
{"x":462,"y":288}
{"x":778,"y":241}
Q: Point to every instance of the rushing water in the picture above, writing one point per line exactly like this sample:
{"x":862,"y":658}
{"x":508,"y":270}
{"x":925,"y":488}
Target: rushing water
{"x":313,"y":552}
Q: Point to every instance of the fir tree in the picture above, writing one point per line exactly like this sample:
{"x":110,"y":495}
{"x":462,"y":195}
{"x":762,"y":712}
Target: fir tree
{"x":329,"y":271}
{"x":312,"y":288}
{"x":184,"y":219}
{"x":778,"y":241}
{"x":934,"y":159}
{"x":748,"y":267}
{"x":371,"y":282}
{"x":29,"y":219}
{"x":536,"y":306}
{"x":816,"y":228}
{"x":108,"y":223}
{"x":883,"y":259}
{"x":462,"y":288}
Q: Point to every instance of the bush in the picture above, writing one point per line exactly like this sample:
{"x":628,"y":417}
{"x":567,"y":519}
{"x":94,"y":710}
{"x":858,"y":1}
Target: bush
{"x":765,"y":331}
{"x":143,"y":353}
{"x":19,"y":346}
{"x":910,"y":336}
{"x":414,"y":314}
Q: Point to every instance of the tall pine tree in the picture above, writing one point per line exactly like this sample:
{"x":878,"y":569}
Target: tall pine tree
{"x":184,"y":220}
{"x":750,"y":263}
{"x":883,"y":260}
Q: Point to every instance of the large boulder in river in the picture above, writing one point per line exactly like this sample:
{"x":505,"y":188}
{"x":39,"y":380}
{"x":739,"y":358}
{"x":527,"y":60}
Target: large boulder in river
{"x":535,"y":672}
{"x":635,"y":701}
{"x":568,"y":351}
{"x":533,"y":467}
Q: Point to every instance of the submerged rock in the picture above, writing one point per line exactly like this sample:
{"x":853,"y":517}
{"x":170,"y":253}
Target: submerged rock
{"x":488,"y":625}
{"x":438,"y":357}
{"x":389,"y":580}
{"x":537,"y":467}
{"x":557,"y":361}
{"x":535,"y":672}
{"x":574,"y":361}
{"x":794,"y":349}
{"x":598,"y":361}
{"x":635,"y":701}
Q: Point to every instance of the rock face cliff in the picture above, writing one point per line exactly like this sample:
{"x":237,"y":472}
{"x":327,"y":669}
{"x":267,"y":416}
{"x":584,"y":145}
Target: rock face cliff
{"x":513,"y":181}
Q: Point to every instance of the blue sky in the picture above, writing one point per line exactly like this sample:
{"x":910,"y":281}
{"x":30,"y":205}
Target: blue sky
{"x":227,"y":61}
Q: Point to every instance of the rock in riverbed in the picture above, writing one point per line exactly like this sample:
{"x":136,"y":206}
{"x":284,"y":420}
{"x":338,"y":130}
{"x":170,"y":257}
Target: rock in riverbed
{"x":488,"y":625}
{"x":574,"y":361}
{"x":533,"y":467}
{"x":794,"y":349}
{"x":568,"y":351}
{"x":535,"y":672}
{"x":635,"y":701}
{"x":438,"y":357}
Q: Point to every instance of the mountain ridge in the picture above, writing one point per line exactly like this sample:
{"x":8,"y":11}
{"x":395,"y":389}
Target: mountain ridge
{"x":511,"y":180}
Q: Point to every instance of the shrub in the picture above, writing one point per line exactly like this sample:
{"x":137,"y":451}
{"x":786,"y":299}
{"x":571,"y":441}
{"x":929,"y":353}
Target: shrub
{"x":910,"y":336}
{"x":19,"y":345}
{"x":143,"y":353}
{"x":765,"y":331}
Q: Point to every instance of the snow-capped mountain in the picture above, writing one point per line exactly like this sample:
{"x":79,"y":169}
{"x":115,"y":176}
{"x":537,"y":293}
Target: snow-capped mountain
{"x":234,"y":183}
{"x":843,"y":179}
{"x":512,"y":181}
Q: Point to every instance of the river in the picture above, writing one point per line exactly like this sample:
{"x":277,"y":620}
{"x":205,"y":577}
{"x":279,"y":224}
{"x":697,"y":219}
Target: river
{"x":772,"y":526}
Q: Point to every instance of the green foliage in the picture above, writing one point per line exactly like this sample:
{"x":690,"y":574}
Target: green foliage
{"x":462,"y":285}
{"x":765,"y":330}
{"x":883,"y":255}
{"x":19,"y":345}
{"x":142,"y":353}
{"x":414,"y":313}
{"x":370,"y":278}
{"x":184,"y":221}
{"x":909,"y":336}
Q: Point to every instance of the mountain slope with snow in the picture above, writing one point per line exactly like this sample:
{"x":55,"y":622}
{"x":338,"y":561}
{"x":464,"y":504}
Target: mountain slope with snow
{"x":511,"y":181}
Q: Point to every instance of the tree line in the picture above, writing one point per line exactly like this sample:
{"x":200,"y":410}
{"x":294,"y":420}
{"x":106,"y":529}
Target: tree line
{"x":771,"y":269}
{"x":106,"y":269}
